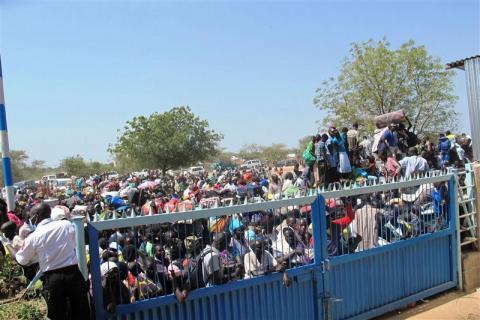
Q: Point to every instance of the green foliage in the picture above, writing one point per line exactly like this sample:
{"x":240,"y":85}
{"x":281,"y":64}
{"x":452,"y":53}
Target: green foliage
{"x":74,"y":166}
{"x":29,"y":312}
{"x":277,"y":151}
{"x":251,"y":151}
{"x":21,"y":170}
{"x":224,"y":156}
{"x":12,"y":282}
{"x":376,"y":79}
{"x":274,"y":152}
{"x":11,"y":278}
{"x":77,"y":166}
{"x":23,"y":310}
{"x":168,"y":140}
{"x":19,"y":164}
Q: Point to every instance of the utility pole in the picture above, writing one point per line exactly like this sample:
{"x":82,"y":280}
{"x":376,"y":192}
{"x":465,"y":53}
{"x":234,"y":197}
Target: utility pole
{"x":6,"y":164}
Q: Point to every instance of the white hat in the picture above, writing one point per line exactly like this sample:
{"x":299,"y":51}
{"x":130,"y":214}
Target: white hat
{"x":57,"y":214}
{"x":114,"y":245}
{"x":106,"y":267}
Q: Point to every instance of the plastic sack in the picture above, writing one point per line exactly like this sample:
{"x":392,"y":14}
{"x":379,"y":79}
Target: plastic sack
{"x":384,"y":120}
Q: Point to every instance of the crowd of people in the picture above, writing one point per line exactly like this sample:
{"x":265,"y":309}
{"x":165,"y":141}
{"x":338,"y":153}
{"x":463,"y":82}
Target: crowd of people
{"x":394,"y":151}
{"x":175,"y":258}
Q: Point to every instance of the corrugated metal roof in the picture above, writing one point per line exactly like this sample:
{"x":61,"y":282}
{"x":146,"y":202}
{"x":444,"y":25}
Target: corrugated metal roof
{"x":472,"y":75}
{"x":460,"y":63}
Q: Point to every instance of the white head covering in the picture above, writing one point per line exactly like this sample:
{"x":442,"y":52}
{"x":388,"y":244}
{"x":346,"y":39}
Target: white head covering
{"x":59,"y":213}
{"x":106,"y":267}
{"x":114,"y":245}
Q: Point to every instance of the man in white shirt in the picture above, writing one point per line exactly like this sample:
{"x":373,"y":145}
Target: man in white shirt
{"x":460,"y":152}
{"x":53,"y":243}
{"x":413,"y":164}
{"x":259,"y":261}
{"x":211,"y":268}
{"x":366,"y":145}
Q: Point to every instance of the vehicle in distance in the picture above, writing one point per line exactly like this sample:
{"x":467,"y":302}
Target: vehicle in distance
{"x":112,"y":175}
{"x":253,"y":163}
{"x":196,"y":170}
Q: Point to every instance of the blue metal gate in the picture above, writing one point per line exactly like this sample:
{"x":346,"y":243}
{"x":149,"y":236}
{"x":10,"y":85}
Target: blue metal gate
{"x":358,"y":285}
{"x":373,"y":282}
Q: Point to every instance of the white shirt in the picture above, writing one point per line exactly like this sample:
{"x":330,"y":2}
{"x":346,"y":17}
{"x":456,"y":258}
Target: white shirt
{"x":365,"y":225}
{"x":367,"y":145}
{"x":460,"y":152}
{"x":53,"y":243}
{"x":231,"y":187}
{"x":471,"y":141}
{"x":378,"y":134}
{"x":211,"y":263}
{"x":413,"y":165}
{"x":252,"y":264}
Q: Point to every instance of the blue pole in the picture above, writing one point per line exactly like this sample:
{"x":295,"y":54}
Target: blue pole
{"x":6,"y":165}
{"x":456,"y":247}
{"x":80,"y":245}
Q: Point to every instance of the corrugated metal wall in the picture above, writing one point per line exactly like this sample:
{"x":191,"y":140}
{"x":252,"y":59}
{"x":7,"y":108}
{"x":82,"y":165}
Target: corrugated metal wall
{"x":472,"y":74}
{"x":361,"y":287}
{"x":265,"y":300}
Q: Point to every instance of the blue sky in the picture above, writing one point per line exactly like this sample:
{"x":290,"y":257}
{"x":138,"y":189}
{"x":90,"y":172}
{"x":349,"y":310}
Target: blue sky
{"x":75,"y":72}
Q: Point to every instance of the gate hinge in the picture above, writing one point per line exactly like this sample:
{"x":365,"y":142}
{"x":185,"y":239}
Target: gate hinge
{"x":325,"y":265}
{"x":327,"y":298}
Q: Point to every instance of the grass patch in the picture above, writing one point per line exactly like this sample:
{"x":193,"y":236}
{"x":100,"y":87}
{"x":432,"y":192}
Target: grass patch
{"x":24,"y":310}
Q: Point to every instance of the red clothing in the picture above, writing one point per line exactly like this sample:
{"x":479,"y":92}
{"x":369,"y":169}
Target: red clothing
{"x":391,"y":166}
{"x":347,"y":219}
{"x":13,"y":218}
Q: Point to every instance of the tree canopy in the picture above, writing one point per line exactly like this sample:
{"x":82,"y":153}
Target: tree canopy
{"x":168,"y":140}
{"x":77,"y":166}
{"x":376,"y":79}
{"x":22,"y":170}
{"x":271,"y":153}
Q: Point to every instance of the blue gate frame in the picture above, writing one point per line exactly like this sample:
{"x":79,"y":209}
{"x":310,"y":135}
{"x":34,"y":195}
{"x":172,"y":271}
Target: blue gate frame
{"x":373,"y":282}
{"x":357,"y":286}
{"x":242,"y":299}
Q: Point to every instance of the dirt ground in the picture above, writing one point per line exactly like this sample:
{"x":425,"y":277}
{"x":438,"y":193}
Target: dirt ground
{"x":452,"y":305}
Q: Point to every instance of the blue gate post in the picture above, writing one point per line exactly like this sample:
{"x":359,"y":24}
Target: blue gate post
{"x":80,"y":245}
{"x":6,"y":165}
{"x":453,"y":218}
{"x":95,"y":272}
{"x":320,"y":255}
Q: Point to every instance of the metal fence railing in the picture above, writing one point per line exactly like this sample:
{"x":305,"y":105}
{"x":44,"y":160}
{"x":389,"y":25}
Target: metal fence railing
{"x":175,"y":253}
{"x":147,"y":255}
{"x":362,"y":219}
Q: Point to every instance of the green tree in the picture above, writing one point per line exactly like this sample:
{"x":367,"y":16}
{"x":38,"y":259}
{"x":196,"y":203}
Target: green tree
{"x":277,"y":151}
{"x":167,"y":140}
{"x":75,"y":166}
{"x":98,"y":167}
{"x":38,"y":164}
{"x":35,"y":170}
{"x":18,"y":162}
{"x":21,"y":170}
{"x":224,"y":156}
{"x":124,"y":164}
{"x":251,"y":151}
{"x":375,"y":79}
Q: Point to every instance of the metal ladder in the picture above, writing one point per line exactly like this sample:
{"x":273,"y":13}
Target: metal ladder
{"x":466,"y":199}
